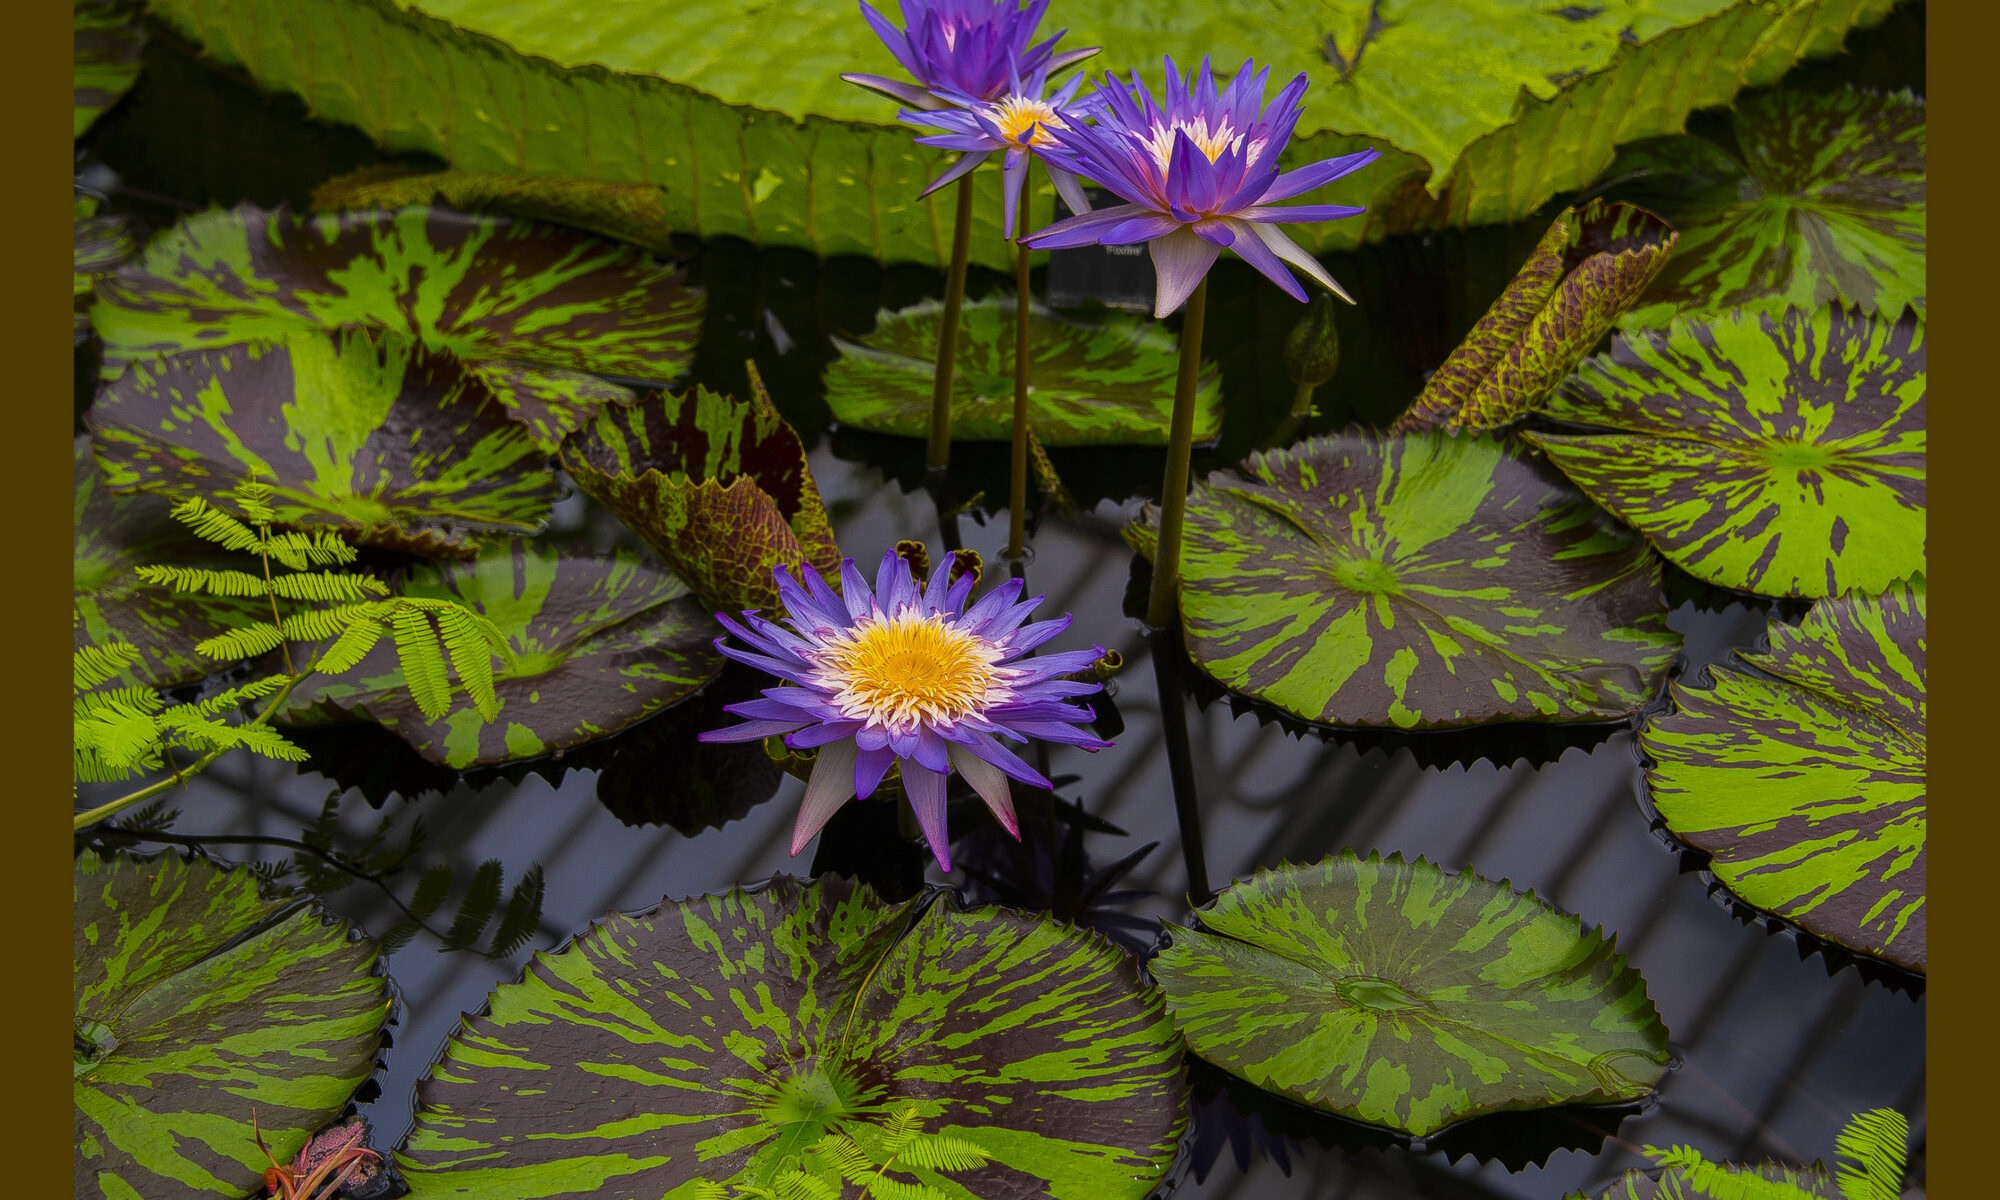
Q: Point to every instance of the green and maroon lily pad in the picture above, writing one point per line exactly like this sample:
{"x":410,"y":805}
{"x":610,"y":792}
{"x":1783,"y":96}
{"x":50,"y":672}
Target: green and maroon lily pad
{"x":748,"y":1040}
{"x":1108,"y":382}
{"x":1588,"y":268}
{"x":601,"y":642}
{"x":478,"y":287}
{"x":1777,"y":453}
{"x":200,"y":1002}
{"x":115,"y":535}
{"x":402,"y":446}
{"x":1826,"y":205}
{"x":1420,"y":581}
{"x":629,"y":212}
{"x":718,"y":488}
{"x":109,"y":42}
{"x":1393,"y":993}
{"x":1804,"y":778}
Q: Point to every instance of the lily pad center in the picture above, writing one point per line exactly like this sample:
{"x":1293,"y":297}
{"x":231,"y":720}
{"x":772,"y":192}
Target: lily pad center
{"x":1789,"y":456}
{"x":1378,"y":995}
{"x":1366,"y":575}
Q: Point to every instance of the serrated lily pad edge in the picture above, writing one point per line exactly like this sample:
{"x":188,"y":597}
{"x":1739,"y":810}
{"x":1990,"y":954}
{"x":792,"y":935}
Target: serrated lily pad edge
{"x":1416,"y":1143}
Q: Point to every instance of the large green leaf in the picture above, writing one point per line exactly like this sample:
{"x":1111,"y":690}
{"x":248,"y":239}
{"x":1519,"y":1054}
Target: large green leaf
{"x":1824,"y":206}
{"x":1778,"y":453}
{"x":198,"y":1002}
{"x":728,"y":1038}
{"x":1486,"y":108}
{"x":1393,"y":993}
{"x":719,"y":488}
{"x":1105,"y":382}
{"x":1418,"y":581}
{"x":403,"y":446}
{"x":601,"y":642}
{"x":1805,"y":782}
{"x":109,"y":41}
{"x":479,"y":287}
{"x":116,"y":534}
{"x":1588,"y":268}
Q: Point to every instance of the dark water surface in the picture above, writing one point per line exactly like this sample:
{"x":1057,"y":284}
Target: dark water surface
{"x":1777,"y":1052}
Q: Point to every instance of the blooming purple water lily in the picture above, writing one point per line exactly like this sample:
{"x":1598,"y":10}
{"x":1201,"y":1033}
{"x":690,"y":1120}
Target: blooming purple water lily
{"x":906,"y":673}
{"x":963,"y":46}
{"x":1198,"y":172}
{"x":1018,"y":124}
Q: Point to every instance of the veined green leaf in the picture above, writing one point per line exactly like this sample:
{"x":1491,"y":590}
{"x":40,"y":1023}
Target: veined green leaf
{"x":1107,"y":382}
{"x":115,"y":535}
{"x":600,"y":642}
{"x":109,"y":40}
{"x":197,"y":1001}
{"x":728,"y":1040}
{"x":478,"y":287}
{"x":378,"y":436}
{"x":718,"y":488}
{"x":1805,"y":782}
{"x":1418,"y":581}
{"x":1778,"y":453}
{"x":1485,"y":109}
{"x":1589,"y":267}
{"x":1393,"y":993}
{"x":1825,"y":206}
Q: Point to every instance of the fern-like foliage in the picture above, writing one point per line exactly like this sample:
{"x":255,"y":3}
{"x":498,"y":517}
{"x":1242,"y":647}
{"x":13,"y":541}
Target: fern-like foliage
{"x":1873,"y":1149}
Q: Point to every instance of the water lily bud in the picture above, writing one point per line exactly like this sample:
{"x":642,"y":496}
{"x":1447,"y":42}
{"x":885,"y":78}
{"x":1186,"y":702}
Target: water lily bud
{"x":1312,"y":349}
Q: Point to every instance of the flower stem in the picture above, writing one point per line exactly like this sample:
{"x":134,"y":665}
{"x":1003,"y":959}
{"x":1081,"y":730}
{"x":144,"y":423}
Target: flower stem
{"x":1168,"y":665}
{"x":938,"y":455}
{"x":86,"y":819}
{"x":1301,"y":409}
{"x":1161,"y":606}
{"x":1017,"y":488}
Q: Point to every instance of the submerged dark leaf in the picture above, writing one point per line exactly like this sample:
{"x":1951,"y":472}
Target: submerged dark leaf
{"x":1805,"y":782}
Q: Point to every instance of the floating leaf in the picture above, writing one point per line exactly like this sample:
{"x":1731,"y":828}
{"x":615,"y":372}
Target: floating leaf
{"x":116,"y":534}
{"x":601,"y":642}
{"x":1418,"y":581}
{"x":719,"y":488}
{"x":630,"y":212}
{"x":198,"y":1001}
{"x":1672,"y":1183}
{"x":1805,"y":782}
{"x":734,"y":1039}
{"x":478,"y":287}
{"x":1486,"y":109}
{"x":400,"y":445}
{"x":1826,"y":205}
{"x":1105,"y":382}
{"x":1393,"y":993}
{"x":1589,"y":267}
{"x":109,"y":42}
{"x":1777,"y":453}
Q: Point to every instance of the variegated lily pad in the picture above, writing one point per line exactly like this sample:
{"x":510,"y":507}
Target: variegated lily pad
{"x":197,"y":1002}
{"x":1106,"y":382}
{"x":109,"y":41}
{"x":1825,"y":206}
{"x":754,"y":1039}
{"x":1588,"y":268}
{"x":114,"y":535}
{"x":1805,"y":779}
{"x":1393,"y":993}
{"x":601,"y":642}
{"x":719,"y":488}
{"x":1419,"y":581}
{"x":1778,"y":453}
{"x":376,"y":435}
{"x":478,"y":287}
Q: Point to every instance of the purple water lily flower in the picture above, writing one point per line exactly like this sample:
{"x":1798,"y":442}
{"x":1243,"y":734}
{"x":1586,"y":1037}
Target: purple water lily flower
{"x":1198,"y":172}
{"x":963,"y":46}
{"x":907,"y":674}
{"x":1018,"y":124}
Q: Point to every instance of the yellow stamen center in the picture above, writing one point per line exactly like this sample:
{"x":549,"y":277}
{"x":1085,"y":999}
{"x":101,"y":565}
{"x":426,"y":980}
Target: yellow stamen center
{"x":910,"y":669}
{"x":1211,"y":143}
{"x":1026,"y":122}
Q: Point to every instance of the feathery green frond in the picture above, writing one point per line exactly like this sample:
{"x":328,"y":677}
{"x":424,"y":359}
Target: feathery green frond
{"x":253,"y":500}
{"x":241,"y":694}
{"x":195,"y":729}
{"x":849,"y":1159}
{"x":317,"y":624}
{"x":1716,"y":1181}
{"x":245,"y":641}
{"x":211,"y":524}
{"x":204,"y":580}
{"x":327,"y":587}
{"x":423,"y":665}
{"x":351,"y":646}
{"x":91,"y":665}
{"x":941,"y":1152}
{"x":884,"y":1188}
{"x":1873,"y":1149}
{"x":471,"y":656}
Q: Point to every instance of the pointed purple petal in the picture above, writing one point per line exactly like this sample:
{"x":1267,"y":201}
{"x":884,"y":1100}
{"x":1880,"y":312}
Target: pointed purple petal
{"x":831,"y":785}
{"x":925,"y":788}
{"x":869,"y":768}
{"x":1253,"y":250}
{"x":1181,"y":260}
{"x":991,"y":784}
{"x":749,"y":731}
